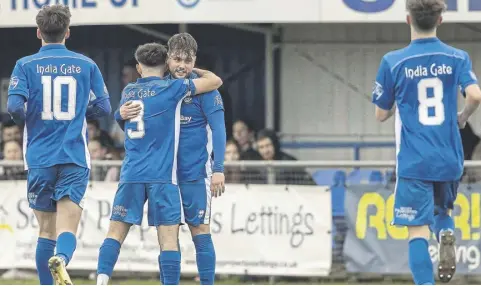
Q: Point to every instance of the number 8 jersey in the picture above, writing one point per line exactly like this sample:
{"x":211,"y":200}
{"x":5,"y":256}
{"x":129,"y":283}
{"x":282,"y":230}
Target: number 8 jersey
{"x":423,"y":80}
{"x":58,"y":85}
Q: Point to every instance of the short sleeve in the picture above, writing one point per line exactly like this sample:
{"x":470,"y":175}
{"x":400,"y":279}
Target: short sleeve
{"x":98,"y":89}
{"x":181,"y":88}
{"x":467,"y":76}
{"x":383,"y":90}
{"x":18,"y":82}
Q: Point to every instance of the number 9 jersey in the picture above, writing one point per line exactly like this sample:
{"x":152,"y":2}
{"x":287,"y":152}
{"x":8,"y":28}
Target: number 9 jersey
{"x":58,"y":85}
{"x":423,"y":81}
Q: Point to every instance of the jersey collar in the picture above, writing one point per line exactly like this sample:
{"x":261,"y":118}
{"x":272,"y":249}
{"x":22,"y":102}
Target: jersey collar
{"x":53,"y":47}
{"x":425,"y":40}
{"x":147,"y":79}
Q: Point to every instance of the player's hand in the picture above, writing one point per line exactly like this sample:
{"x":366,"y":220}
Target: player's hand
{"x":129,"y":110}
{"x":461,"y":120}
{"x":217,"y":184}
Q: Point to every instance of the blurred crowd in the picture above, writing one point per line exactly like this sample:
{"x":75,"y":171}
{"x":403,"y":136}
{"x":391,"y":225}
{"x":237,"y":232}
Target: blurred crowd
{"x":243,"y":144}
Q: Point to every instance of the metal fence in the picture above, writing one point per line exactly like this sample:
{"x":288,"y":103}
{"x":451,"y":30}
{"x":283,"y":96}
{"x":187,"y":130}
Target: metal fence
{"x":288,"y":173}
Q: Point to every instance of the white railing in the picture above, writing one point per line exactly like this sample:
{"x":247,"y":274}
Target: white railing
{"x":274,"y":164}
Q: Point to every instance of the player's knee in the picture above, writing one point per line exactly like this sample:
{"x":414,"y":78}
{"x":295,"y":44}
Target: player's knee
{"x":70,"y":214}
{"x":46,"y":224}
{"x":168,"y":236}
{"x":118,"y":230}
{"x":67,"y":209}
{"x":419,"y":232}
{"x":200,"y":229}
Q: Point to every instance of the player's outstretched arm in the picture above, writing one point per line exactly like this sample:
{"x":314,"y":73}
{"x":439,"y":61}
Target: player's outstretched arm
{"x":16,"y":108}
{"x":206,"y":82}
{"x":473,"y":99}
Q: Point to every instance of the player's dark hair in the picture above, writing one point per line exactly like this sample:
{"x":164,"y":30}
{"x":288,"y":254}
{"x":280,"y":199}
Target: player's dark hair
{"x":182,"y":43}
{"x":425,"y":13}
{"x":151,"y":55}
{"x":53,"y":22}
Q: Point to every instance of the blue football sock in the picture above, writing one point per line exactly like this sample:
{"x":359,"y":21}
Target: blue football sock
{"x":442,"y":221}
{"x":205,"y":254}
{"x":160,"y":259}
{"x":66,"y":244}
{"x":420,"y":262}
{"x":160,"y":268}
{"x":45,"y":250}
{"x":170,"y":264}
{"x":108,"y":255}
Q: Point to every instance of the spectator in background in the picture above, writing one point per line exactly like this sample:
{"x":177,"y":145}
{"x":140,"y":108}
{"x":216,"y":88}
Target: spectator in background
{"x":244,"y":136}
{"x":97,"y":152}
{"x":12,"y":152}
{"x":233,"y":175}
{"x":95,"y":133}
{"x":129,"y":74}
{"x":11,"y":131}
{"x":238,"y":175}
{"x":113,"y":173}
{"x":270,"y":149}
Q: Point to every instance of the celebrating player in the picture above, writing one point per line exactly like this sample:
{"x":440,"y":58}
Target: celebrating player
{"x":202,"y":131}
{"x":422,"y":80}
{"x":62,"y":89}
{"x":149,"y":170}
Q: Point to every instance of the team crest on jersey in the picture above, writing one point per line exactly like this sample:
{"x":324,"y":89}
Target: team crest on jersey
{"x":188,"y":100}
{"x":218,"y":100}
{"x":377,"y":89}
{"x":13,"y":82}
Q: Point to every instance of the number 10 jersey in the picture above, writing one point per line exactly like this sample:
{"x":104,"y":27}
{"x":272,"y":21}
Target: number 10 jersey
{"x":423,"y":81}
{"x":58,"y":86}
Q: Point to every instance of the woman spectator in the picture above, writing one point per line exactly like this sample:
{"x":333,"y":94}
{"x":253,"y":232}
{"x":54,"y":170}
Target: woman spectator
{"x":233,"y":175}
{"x":244,"y":136}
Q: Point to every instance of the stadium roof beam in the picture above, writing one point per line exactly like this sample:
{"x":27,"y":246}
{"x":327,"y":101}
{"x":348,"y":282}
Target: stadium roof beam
{"x":251,"y":28}
{"x":151,"y":32}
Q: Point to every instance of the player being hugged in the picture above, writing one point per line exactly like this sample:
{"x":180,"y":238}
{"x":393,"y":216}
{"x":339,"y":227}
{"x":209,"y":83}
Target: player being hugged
{"x":422,"y":80}
{"x":62,"y":89}
{"x":202,"y":134}
{"x":149,"y":170}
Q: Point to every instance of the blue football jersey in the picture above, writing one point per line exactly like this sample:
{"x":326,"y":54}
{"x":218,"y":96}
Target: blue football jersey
{"x":423,"y":81}
{"x":195,"y":146}
{"x":152,"y":138}
{"x":58,"y":85}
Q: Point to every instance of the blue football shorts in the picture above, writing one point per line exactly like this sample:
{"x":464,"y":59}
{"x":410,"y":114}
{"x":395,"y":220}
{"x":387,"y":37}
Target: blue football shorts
{"x":196,"y":201}
{"x":164,"y":206}
{"x":416,"y":201}
{"x":46,"y":186}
